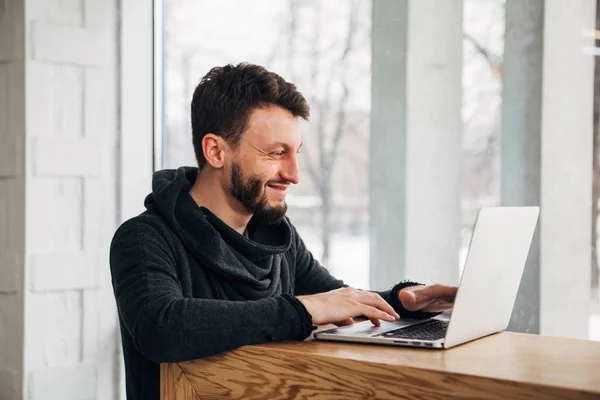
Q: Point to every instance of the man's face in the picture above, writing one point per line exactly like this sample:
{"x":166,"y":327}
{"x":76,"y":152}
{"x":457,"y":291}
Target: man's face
{"x":265,"y":163}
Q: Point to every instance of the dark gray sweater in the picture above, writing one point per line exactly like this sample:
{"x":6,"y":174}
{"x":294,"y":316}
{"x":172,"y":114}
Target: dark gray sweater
{"x":188,"y":286}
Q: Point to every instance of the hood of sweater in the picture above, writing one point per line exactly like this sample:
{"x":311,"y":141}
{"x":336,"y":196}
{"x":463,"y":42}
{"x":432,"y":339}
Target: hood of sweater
{"x":251,"y":264}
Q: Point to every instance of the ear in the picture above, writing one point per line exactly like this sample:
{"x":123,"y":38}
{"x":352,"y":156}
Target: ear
{"x":213,"y":147}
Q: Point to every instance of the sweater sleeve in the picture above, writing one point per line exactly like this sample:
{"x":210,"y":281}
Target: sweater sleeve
{"x":312,"y":277}
{"x":391,"y":296}
{"x":168,"y":327}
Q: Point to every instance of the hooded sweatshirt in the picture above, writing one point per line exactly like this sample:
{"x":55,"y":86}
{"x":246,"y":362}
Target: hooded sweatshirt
{"x":189,"y":286}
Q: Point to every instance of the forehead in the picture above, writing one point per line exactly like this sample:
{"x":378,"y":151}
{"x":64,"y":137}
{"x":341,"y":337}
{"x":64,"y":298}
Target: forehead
{"x":271,"y":125}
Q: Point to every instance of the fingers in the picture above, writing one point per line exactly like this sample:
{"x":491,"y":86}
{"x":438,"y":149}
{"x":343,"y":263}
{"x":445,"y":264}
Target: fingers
{"x":375,"y":300}
{"x":410,"y":302}
{"x":422,"y":297}
{"x":345,"y":322}
{"x":374,"y":313}
{"x":375,"y":321}
{"x":439,"y":292}
{"x":438,"y":306}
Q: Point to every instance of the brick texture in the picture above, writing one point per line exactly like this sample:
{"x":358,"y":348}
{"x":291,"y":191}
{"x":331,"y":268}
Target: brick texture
{"x":12,"y":210}
{"x":11,"y":237}
{"x":64,"y":271}
{"x":58,"y":114}
{"x":12,"y":32}
{"x":53,"y":334}
{"x":85,"y":47}
{"x":72,"y":332}
{"x":4,"y":99}
{"x":98,"y":119}
{"x":54,"y":217}
{"x":11,"y":335}
{"x":4,"y":229}
{"x":11,"y":273}
{"x":10,"y":385}
{"x":15,"y":228}
{"x":67,"y":383}
{"x":63,"y":12}
{"x":98,"y":15}
{"x":16,"y":97}
{"x":11,"y":119}
{"x":56,"y":100}
{"x":10,"y":156}
{"x":69,"y":157}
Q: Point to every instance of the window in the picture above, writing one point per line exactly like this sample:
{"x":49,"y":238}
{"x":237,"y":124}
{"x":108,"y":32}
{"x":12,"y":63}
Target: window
{"x":322,"y":47}
{"x":395,"y":98}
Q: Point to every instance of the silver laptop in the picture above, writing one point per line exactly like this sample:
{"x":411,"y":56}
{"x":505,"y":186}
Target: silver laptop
{"x":488,"y":288}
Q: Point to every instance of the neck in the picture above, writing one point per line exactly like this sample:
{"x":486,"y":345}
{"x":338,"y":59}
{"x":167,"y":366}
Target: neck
{"x":208,"y":192}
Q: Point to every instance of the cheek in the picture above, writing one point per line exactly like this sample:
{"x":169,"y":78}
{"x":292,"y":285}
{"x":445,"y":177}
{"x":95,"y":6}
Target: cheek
{"x":263,"y":169}
{"x":269,"y":171}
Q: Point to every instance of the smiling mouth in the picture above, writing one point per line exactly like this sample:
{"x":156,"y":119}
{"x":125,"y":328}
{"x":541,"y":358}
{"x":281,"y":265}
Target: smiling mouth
{"x":281,"y":189}
{"x":277,"y":187}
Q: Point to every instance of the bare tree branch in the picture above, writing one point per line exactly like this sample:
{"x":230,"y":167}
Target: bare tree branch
{"x":480,"y":49}
{"x":331,"y":120}
{"x":291,"y":39}
{"x":493,"y":60}
{"x":311,"y":168}
{"x":315,"y":58}
{"x":284,"y":31}
{"x":292,"y":31}
{"x":324,"y":108}
{"x":341,"y":117}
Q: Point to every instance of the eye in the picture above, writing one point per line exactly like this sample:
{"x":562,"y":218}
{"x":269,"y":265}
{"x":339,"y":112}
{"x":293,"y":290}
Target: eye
{"x":277,"y":153}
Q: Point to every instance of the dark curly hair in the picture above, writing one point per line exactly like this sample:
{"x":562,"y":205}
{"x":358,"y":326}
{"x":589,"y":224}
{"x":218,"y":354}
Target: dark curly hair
{"x":226,"y":96}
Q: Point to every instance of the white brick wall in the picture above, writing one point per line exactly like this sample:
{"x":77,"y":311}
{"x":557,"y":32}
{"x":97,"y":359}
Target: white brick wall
{"x":58,"y":146}
{"x":65,"y":271}
{"x":57,"y":98}
{"x":59,"y":229}
{"x":53,"y":330}
{"x":64,"y":12}
{"x":86,"y":47}
{"x":71,"y":147}
{"x":84,"y":157}
{"x":65,"y":383}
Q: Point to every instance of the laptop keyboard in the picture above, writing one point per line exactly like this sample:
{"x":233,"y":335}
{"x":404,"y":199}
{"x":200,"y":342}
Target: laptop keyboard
{"x":434,"y":329}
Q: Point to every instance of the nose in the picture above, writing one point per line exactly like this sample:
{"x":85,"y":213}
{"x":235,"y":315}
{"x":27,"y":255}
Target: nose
{"x":291,"y":170}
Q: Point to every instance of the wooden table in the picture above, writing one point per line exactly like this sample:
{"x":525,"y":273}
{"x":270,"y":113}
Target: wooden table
{"x":501,"y":366}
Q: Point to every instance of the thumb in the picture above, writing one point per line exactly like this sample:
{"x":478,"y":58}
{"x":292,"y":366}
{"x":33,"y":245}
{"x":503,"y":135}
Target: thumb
{"x":407,"y":299}
{"x":413,"y":300}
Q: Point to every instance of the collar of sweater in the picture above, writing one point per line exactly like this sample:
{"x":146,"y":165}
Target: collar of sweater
{"x":214,"y":243}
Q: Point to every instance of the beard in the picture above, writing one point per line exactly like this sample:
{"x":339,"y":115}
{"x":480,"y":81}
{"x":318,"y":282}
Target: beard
{"x":251,"y":192}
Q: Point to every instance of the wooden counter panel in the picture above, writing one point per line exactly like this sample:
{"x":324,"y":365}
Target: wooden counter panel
{"x":174,"y":384}
{"x":502,"y":366}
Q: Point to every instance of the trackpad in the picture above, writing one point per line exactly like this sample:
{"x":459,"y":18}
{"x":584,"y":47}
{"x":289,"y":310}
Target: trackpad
{"x":366,"y":328}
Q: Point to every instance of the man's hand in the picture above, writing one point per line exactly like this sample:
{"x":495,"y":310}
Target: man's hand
{"x":433,"y":298}
{"x":341,"y":305}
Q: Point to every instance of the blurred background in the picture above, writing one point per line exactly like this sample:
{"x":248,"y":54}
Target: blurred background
{"x":422,"y":111}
